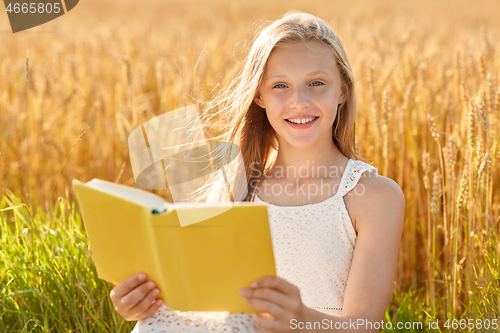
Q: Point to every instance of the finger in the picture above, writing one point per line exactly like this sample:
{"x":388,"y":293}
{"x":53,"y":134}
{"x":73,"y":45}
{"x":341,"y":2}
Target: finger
{"x":269,"y":325}
{"x":127,"y":285}
{"x":135,"y":296}
{"x":152,"y":309}
{"x":278,"y":283}
{"x":145,"y":303}
{"x":266,"y":306}
{"x":270,"y":294}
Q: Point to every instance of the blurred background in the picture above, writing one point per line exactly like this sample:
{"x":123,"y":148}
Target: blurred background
{"x":428,"y":91}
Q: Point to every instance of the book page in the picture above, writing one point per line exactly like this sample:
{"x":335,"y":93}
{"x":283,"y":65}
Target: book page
{"x":141,"y":197}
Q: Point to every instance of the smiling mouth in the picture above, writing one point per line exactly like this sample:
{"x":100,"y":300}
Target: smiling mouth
{"x":301,"y":121}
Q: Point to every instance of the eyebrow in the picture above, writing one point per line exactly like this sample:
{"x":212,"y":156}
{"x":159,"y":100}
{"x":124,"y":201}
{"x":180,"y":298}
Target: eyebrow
{"x":310,"y":74}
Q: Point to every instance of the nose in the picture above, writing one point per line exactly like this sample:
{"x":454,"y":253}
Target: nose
{"x":300,"y":98}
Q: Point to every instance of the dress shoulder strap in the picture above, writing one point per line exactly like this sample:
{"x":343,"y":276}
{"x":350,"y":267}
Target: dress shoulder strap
{"x":352,"y":174}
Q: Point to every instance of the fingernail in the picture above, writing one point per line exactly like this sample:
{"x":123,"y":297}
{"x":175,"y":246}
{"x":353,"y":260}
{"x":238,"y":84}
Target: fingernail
{"x":141,"y":277}
{"x":243,"y":292}
{"x":150,"y":285}
{"x":159,"y":302}
{"x":156,"y":292}
{"x":254,"y":284}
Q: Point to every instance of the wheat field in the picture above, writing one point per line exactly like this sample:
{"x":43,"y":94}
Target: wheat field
{"x":71,"y":91}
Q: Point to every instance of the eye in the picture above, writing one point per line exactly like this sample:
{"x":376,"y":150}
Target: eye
{"x":317,"y":85}
{"x":278,"y":85}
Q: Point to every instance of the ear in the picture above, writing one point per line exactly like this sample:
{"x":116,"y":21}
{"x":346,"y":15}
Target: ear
{"x":343,"y":94}
{"x":258,"y":100}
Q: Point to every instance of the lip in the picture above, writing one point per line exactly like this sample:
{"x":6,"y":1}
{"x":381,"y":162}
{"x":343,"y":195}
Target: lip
{"x":302,"y":116}
{"x":302,"y":126}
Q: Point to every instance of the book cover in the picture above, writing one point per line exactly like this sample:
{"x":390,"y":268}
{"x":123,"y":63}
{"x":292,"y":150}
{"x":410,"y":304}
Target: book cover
{"x":199,"y":266}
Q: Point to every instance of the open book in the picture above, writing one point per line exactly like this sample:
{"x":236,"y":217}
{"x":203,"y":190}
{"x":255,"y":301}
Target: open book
{"x":198,"y":266}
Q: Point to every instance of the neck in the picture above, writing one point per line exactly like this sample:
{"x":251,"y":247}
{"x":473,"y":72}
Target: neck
{"x":321,"y":160}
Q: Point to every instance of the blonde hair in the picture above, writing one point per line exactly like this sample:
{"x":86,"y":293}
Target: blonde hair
{"x":245,"y":123}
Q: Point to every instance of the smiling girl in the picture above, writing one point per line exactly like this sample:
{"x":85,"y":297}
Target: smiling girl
{"x":336,"y":224}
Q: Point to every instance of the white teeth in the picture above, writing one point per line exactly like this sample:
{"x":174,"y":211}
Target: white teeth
{"x":301,"y":121}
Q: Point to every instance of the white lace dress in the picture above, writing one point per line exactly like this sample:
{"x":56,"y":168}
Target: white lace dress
{"x":313,"y":246}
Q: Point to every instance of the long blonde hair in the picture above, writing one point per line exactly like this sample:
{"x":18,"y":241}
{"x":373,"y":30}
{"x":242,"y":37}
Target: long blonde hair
{"x":245,"y":123}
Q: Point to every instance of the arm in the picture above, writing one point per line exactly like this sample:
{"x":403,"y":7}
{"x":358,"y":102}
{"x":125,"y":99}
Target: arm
{"x":379,"y":221}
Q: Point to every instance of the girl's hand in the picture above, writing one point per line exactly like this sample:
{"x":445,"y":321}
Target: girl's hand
{"x":279,"y":298}
{"x":133,"y":298}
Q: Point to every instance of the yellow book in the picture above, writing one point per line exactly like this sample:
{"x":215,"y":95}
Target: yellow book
{"x":199,"y":266}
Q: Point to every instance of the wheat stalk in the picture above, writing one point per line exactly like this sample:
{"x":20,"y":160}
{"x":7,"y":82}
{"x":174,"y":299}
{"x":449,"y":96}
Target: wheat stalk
{"x":462,"y":194}
{"x":472,"y":126}
{"x":450,"y":156}
{"x":482,"y":66}
{"x":386,"y":116}
{"x":436,"y":193}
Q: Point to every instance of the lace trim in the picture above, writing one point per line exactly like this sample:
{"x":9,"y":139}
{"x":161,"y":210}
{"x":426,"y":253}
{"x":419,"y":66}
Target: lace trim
{"x":323,"y":308}
{"x":352,"y":174}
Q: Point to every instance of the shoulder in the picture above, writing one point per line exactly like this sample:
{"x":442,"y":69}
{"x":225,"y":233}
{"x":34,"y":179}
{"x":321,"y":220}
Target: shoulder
{"x":376,"y":199}
{"x":380,"y":188}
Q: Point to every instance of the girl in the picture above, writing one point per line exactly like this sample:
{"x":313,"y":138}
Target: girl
{"x":336,"y":225}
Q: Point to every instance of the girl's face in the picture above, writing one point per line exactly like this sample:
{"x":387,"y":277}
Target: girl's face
{"x":300,"y":91}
